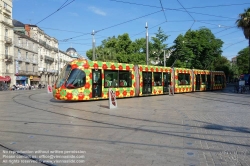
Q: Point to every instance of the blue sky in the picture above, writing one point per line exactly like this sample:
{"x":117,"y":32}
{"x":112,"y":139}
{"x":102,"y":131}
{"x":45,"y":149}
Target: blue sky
{"x":72,"y":25}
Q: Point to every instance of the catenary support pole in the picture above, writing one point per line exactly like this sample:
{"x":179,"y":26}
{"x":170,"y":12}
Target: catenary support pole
{"x":93,"y":45}
{"x":147,"y":42}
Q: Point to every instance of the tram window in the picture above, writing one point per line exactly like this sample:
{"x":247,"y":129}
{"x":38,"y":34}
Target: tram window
{"x":157,"y":79}
{"x":203,"y":79}
{"x":63,"y":76}
{"x":125,"y":79}
{"x":183,"y":79}
{"x":110,"y":78}
{"x":77,"y":79}
{"x":167,"y":79}
{"x":218,"y":79}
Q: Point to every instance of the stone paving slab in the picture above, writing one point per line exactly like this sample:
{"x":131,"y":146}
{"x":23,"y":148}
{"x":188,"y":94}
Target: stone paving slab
{"x":202,"y":128}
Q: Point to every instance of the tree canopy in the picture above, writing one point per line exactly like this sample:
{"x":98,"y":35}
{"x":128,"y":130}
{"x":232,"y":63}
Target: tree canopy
{"x":120,"y":49}
{"x":244,"y":22}
{"x":196,"y":49}
{"x":242,"y":58}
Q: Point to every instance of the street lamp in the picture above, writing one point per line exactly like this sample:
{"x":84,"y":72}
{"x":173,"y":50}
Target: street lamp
{"x":58,"y":60}
{"x":93,"y":45}
{"x":147,"y":41}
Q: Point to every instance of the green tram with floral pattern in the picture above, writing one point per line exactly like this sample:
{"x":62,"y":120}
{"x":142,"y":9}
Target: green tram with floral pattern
{"x":81,"y":79}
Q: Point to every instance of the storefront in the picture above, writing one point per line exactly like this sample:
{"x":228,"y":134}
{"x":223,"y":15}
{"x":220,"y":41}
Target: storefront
{"x":4,"y":82}
{"x":22,"y":80}
{"x":34,"y":80}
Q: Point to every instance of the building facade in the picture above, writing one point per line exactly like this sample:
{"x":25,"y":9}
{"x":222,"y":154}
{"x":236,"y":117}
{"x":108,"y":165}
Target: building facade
{"x":27,"y":54}
{"x":234,"y":60}
{"x":25,"y":59}
{"x":50,"y":59}
{"x":6,"y":41}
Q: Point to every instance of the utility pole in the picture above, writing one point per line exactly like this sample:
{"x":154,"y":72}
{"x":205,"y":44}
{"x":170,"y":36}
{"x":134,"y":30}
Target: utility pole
{"x":146,"y":42}
{"x":58,"y":59}
{"x":93,"y":45}
{"x":164,"y":56}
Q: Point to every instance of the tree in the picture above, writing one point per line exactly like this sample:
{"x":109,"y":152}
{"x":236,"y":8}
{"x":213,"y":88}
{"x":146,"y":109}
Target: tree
{"x":244,"y":23}
{"x":196,"y":49}
{"x":120,"y":49}
{"x":242,"y":59}
{"x":223,"y":64}
{"x":157,"y":46}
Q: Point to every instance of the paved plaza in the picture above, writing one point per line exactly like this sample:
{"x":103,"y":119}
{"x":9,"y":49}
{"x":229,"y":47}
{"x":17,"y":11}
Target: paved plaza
{"x":189,"y":129}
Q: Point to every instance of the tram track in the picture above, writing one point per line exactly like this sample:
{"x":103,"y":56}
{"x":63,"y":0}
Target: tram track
{"x":103,"y":114}
{"x":218,"y":99}
{"x":30,"y":97}
{"x":111,"y":124}
{"x":25,"y":155}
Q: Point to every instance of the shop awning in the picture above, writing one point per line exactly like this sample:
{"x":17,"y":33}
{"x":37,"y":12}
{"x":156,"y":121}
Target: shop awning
{"x":35,"y":79}
{"x":21,"y":78}
{"x":6,"y":78}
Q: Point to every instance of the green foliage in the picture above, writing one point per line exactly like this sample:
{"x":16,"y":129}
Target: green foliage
{"x":242,"y":60}
{"x":222,"y":64}
{"x":121,"y":49}
{"x":196,"y":49}
{"x":244,"y":22}
{"x":157,"y":46}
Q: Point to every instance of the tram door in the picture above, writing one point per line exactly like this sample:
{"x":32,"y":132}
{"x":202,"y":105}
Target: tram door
{"x":208,"y":82}
{"x":147,"y":83}
{"x":166,"y":80}
{"x":198,"y":82}
{"x":96,"y":83}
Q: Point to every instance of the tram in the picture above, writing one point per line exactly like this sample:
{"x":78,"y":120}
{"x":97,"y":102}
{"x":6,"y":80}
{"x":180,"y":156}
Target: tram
{"x":81,"y":79}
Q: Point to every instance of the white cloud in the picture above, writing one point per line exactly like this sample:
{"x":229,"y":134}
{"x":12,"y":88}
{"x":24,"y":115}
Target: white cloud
{"x":73,"y":14}
{"x":97,"y":11}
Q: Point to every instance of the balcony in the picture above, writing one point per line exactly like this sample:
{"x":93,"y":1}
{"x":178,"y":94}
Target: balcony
{"x":34,"y":61}
{"x":41,"y":69}
{"x":7,"y":20}
{"x":19,"y":58}
{"x":7,"y":40}
{"x":50,"y":71}
{"x":27,"y":60}
{"x":26,"y":73}
{"x":8,"y":58}
{"x":49,"y":58}
{"x":6,"y":11}
{"x":48,"y":47}
{"x":42,"y":42}
{"x":54,"y":49}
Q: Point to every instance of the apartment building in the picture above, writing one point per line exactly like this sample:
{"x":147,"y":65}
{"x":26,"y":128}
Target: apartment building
{"x":27,"y":54}
{"x":234,"y":60}
{"x":50,"y":59}
{"x":6,"y":42}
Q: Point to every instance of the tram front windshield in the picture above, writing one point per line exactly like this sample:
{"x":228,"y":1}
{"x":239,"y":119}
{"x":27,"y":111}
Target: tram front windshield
{"x":63,"y":76}
{"x":71,"y":78}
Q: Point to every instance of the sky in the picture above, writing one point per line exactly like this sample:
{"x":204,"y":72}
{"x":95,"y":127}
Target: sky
{"x":71,"y":22}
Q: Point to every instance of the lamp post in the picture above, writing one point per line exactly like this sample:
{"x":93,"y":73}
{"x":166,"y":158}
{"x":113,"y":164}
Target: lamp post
{"x":93,"y":45}
{"x":58,"y":60}
{"x":147,"y":42}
